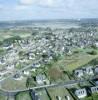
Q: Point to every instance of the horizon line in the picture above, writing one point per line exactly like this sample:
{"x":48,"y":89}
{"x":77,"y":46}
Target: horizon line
{"x":59,"y":19}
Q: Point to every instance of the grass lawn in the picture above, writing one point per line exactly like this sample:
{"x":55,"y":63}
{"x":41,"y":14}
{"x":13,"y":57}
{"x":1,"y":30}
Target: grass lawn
{"x":11,"y":84}
{"x":85,"y":84}
{"x":60,"y":91}
{"x":4,"y":34}
{"x":88,"y":98}
{"x":3,"y":97}
{"x":57,"y":75}
{"x":95,"y":96}
{"x":23,"y":96}
{"x":43,"y":95}
{"x":75,"y":60}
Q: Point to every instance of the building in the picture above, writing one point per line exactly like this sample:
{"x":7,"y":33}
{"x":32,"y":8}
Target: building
{"x":67,"y":98}
{"x":41,"y":79}
{"x":3,"y":72}
{"x":2,"y":61}
{"x":34,"y":95}
{"x":78,"y":73}
{"x":58,"y":98}
{"x":96,"y":44}
{"x":10,"y":66}
{"x":81,"y":93}
{"x":26,"y":72}
{"x":18,"y":77}
{"x":96,"y":70}
{"x":94,"y":89}
{"x":36,"y":65}
{"x":7,"y":46}
{"x":96,"y":82}
{"x":89,"y":70}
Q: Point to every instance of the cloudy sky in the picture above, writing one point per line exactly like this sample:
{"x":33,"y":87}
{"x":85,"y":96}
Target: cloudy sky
{"x":47,"y":9}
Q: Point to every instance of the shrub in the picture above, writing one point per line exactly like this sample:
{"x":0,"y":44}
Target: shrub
{"x":92,"y":52}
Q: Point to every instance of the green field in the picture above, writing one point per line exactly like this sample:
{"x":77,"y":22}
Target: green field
{"x":60,"y":91}
{"x":4,"y":34}
{"x":57,"y":75}
{"x":43,"y":95}
{"x":76,"y":60}
{"x":92,"y":97}
{"x":23,"y":96}
{"x":11,"y":84}
{"x":3,"y":97}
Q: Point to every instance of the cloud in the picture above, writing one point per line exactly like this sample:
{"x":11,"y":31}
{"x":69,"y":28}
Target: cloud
{"x":1,"y":7}
{"x":47,"y":3}
{"x":29,"y":9}
{"x":21,"y":7}
{"x":26,"y":2}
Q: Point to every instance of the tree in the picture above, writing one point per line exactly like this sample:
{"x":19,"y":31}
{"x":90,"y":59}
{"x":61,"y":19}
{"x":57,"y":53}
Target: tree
{"x":94,"y":46}
{"x":92,"y":52}
{"x":76,"y":51}
{"x":12,"y":39}
{"x":30,"y":82}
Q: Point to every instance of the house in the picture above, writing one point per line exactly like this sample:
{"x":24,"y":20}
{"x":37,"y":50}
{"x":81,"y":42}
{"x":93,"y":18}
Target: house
{"x":41,"y":79}
{"x":18,"y":77}
{"x":78,"y":73}
{"x":26,"y":72}
{"x":96,"y":69}
{"x":33,"y":69}
{"x":34,"y":95}
{"x":94,"y":89}
{"x":58,"y":98}
{"x":68,"y":98}
{"x":96,"y":82}
{"x":50,"y":58}
{"x":96,"y":44}
{"x":10,"y":67}
{"x":36,"y":65}
{"x":31,"y":56}
{"x":7,"y":46}
{"x":2,"y":61}
{"x":3,"y":72}
{"x":89,"y":70}
{"x":81,"y":93}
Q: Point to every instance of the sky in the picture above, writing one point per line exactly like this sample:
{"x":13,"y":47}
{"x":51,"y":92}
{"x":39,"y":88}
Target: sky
{"x":47,"y":9}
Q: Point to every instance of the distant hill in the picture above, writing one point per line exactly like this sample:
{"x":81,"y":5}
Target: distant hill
{"x":83,"y":22}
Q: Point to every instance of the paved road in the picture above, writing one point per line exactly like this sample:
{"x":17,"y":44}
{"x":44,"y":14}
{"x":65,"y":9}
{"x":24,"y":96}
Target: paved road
{"x":65,"y":84}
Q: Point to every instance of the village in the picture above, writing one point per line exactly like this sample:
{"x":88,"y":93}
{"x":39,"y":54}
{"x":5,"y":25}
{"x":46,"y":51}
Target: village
{"x":29,"y":62}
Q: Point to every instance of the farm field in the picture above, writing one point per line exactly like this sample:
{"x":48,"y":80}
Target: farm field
{"x":23,"y":96}
{"x":11,"y":84}
{"x":76,"y":60}
{"x":60,"y":91}
{"x":2,"y":97}
{"x":43,"y":95}
{"x":4,"y":34}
